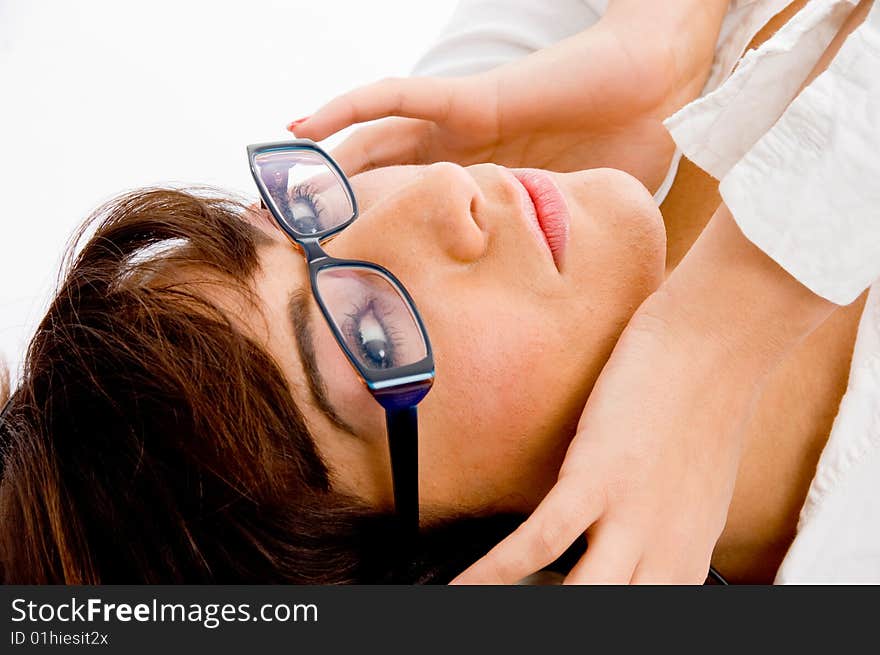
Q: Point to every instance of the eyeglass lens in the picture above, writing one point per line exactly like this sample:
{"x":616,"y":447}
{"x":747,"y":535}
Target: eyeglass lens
{"x":372,"y":316}
{"x":369,"y":311}
{"x":307,"y":192}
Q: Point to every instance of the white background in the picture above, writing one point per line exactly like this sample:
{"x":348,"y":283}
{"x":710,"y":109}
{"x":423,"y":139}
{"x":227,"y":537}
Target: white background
{"x":100,"y":96}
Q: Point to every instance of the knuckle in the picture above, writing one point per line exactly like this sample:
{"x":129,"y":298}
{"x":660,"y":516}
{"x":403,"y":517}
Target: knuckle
{"x":504,"y":566}
{"x":381,"y":86}
{"x":390,"y":80}
{"x":508,"y":569}
{"x":587,"y":494}
{"x":549,"y":538}
{"x":393,"y":89}
{"x":547,"y":544}
{"x":346,"y":105}
{"x":599,"y":496}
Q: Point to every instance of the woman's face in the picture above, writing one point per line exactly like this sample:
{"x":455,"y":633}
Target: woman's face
{"x":518,"y":342}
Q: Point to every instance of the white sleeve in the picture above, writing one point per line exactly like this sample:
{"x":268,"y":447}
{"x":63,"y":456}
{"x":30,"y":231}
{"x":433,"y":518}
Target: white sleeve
{"x":801,"y":179}
{"x":483,"y":34}
{"x":808,"y":193}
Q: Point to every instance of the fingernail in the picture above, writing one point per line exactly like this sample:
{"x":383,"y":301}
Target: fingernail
{"x":294,"y":124}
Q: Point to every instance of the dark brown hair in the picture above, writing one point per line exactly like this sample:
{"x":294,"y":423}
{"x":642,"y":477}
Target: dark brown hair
{"x":150,"y":440}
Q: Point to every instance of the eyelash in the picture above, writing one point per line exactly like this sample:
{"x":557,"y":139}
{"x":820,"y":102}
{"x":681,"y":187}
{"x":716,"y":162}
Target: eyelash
{"x":310,"y":194}
{"x":371,"y":304}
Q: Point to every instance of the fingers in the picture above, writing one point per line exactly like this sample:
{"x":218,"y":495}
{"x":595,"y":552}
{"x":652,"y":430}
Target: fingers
{"x":612,"y":556}
{"x":679,"y":569}
{"x":392,"y":142}
{"x":428,"y":98}
{"x":564,"y":514}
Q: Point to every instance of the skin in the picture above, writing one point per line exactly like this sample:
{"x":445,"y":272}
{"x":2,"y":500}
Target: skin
{"x":795,"y":412}
{"x":483,"y":255}
{"x":782,"y":442}
{"x":612,"y":117}
{"x":505,"y":403}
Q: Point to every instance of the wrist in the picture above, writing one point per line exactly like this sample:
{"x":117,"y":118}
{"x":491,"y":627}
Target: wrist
{"x":678,"y":37}
{"x":729,"y":293}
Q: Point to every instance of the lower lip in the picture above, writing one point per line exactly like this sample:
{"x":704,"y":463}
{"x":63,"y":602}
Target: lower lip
{"x":550,"y":210}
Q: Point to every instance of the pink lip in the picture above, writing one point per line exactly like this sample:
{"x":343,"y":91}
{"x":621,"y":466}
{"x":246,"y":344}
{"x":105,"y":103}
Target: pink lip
{"x":546,"y":209}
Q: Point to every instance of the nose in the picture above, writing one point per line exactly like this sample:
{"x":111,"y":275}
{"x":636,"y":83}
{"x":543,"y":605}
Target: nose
{"x":431,"y":212}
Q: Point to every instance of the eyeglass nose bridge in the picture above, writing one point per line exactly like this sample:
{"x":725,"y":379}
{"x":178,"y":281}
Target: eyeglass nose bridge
{"x":311,"y":248}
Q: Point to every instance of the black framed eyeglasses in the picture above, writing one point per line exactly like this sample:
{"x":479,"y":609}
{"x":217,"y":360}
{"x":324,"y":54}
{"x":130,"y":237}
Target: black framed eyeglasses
{"x":369,"y":311}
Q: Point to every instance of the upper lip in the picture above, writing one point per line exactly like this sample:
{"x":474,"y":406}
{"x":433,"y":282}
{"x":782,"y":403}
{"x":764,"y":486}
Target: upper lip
{"x":545,"y":209}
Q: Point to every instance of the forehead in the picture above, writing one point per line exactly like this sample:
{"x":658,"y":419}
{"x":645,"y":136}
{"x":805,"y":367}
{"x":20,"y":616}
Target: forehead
{"x":266,"y":231}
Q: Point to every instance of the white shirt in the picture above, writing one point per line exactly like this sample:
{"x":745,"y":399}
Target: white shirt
{"x":483,"y":34}
{"x":800,"y":173}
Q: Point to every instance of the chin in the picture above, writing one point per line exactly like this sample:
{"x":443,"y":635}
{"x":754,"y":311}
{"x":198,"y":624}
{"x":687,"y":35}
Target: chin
{"x":618,"y":241}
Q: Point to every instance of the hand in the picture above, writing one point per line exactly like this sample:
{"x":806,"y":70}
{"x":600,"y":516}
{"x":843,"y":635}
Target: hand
{"x":650,"y":473}
{"x":595,"y":99}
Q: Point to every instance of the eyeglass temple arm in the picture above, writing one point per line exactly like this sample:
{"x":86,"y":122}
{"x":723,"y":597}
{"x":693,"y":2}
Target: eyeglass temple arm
{"x":403,"y":444}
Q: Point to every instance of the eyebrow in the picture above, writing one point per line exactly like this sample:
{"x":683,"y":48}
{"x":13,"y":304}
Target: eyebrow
{"x":299,"y":310}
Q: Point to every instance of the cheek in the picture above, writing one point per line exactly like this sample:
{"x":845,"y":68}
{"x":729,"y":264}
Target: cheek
{"x":344,"y":386}
{"x":359,"y":465}
{"x":492,"y":428}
